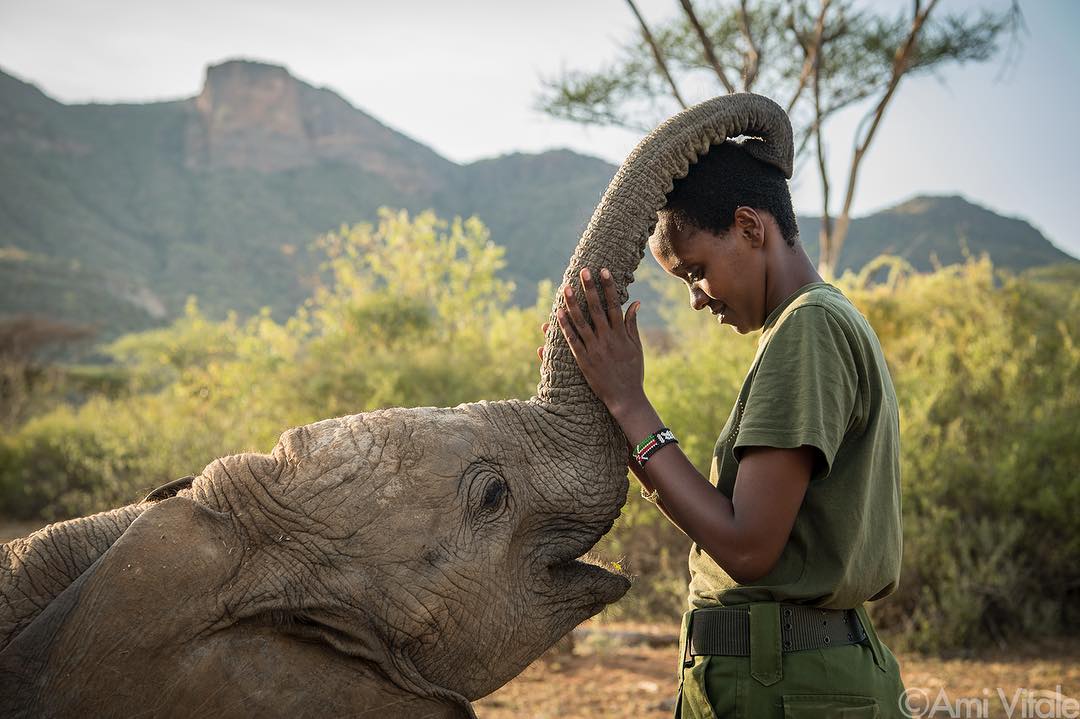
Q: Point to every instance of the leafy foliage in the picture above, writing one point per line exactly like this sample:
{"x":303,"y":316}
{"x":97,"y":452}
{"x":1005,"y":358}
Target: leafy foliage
{"x":987,"y":373}
{"x":408,"y":312}
{"x":858,"y":50}
{"x":412,"y":311}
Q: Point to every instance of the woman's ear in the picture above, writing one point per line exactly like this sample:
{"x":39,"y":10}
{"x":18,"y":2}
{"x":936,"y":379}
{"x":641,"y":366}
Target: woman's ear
{"x":750,"y":225}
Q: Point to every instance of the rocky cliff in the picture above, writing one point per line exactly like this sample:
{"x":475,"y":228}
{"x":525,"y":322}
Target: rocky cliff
{"x":254,"y":116}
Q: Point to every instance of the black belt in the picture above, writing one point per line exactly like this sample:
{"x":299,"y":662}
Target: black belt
{"x":725,"y":631}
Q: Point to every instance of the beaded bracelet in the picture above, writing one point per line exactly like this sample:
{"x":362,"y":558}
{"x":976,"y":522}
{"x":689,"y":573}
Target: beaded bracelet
{"x":649,"y":446}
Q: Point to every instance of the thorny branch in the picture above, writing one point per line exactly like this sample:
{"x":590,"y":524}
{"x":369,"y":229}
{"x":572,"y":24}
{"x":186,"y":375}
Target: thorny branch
{"x":752,"y":59}
{"x":900,"y":66}
{"x":706,"y":45}
{"x":811,"y":51}
{"x":657,"y":55}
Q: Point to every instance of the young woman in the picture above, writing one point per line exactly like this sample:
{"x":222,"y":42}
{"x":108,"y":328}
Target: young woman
{"x":798,"y":523}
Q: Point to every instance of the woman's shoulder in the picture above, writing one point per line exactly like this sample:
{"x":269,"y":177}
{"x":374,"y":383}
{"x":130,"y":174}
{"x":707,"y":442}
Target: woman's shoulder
{"x":810,"y":304}
{"x":834,"y":306}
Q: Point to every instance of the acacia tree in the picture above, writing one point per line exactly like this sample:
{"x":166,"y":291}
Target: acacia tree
{"x":814,"y":58}
{"x":23,"y":340}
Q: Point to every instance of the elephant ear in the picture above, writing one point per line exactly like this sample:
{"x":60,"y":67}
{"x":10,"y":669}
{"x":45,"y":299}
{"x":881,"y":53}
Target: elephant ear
{"x":159,"y":579}
{"x":169,"y":564}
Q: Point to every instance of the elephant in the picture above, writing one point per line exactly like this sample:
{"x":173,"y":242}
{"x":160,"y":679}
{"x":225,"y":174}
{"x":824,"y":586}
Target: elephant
{"x":400,"y":562}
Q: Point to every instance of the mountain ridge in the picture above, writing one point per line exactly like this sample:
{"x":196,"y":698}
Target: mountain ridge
{"x":211,"y":194}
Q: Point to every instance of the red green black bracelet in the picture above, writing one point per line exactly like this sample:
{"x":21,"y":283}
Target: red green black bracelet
{"x":648,"y":446}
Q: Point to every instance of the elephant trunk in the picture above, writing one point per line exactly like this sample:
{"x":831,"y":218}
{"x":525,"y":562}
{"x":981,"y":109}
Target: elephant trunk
{"x":619,"y":230}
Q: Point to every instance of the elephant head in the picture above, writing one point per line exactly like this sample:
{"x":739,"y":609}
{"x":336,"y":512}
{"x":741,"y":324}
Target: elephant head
{"x":402,"y":562}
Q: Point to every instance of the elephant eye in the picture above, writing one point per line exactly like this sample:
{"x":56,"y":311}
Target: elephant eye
{"x":493,"y":495}
{"x":486,"y":492}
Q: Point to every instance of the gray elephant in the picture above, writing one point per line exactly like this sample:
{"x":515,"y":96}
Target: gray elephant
{"x":393,"y":563}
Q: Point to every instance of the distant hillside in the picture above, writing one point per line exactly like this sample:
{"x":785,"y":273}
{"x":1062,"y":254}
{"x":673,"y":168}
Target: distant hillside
{"x":220,"y":196}
{"x":925,"y":230}
{"x":211,"y":195}
{"x":114,"y":214}
{"x":536,"y":206}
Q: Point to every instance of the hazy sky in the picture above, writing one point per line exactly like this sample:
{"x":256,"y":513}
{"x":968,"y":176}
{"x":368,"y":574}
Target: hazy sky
{"x":462,"y":77}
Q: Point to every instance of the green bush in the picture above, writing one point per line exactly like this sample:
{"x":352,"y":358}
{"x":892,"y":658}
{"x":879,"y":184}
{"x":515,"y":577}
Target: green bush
{"x":412,"y":311}
{"x":987,"y":373}
{"x":58,"y":466}
{"x":987,"y":377}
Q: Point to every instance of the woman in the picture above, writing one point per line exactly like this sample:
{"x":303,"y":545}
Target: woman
{"x":799,"y":522}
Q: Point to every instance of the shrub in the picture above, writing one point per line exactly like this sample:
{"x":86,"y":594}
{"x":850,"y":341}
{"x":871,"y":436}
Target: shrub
{"x":987,"y":375}
{"x":986,"y":367}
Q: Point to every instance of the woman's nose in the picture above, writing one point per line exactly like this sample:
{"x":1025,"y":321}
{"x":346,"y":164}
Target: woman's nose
{"x":698,"y":299}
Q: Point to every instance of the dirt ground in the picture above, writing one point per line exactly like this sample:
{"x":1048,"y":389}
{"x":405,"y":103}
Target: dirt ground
{"x":628,"y":670}
{"x":612,"y":673}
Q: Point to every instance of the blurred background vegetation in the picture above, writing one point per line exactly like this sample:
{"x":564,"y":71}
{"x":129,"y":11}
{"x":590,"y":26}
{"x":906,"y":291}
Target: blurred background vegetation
{"x":415,"y":311}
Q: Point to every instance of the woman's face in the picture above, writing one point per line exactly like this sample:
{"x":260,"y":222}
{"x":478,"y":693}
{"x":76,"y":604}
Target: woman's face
{"x":725,"y":273}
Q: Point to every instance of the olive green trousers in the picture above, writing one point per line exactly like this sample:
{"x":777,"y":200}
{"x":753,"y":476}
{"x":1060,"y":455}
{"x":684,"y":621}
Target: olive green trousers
{"x":856,"y":681}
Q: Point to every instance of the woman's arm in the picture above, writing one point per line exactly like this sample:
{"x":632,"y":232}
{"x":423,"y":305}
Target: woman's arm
{"x":744,"y":535}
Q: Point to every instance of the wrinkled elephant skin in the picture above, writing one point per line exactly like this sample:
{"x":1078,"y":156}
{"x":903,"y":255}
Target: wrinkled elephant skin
{"x":398,"y":563}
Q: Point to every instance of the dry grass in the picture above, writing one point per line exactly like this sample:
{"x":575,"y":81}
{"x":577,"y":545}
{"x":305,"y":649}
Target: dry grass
{"x":601,"y":678}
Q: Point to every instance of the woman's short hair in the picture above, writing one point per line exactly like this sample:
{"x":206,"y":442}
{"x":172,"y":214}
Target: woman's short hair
{"x":725,"y":178}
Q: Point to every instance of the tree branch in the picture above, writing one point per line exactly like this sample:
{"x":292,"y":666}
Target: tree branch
{"x":753,"y":54}
{"x":900,"y":66}
{"x":810,"y":52}
{"x":657,"y":55}
{"x":707,"y":45}
{"x":805,"y":135}
{"x":827,"y":258}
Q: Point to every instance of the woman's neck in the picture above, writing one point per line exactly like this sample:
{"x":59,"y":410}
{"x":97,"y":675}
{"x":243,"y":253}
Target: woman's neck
{"x":788,"y":269}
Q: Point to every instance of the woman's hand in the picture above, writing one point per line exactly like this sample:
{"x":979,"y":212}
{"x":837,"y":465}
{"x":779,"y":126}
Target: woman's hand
{"x":540,"y":349}
{"x":608,"y":353}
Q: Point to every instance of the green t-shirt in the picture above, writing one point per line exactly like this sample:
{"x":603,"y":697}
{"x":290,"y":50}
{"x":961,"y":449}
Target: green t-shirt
{"x":819,"y":378}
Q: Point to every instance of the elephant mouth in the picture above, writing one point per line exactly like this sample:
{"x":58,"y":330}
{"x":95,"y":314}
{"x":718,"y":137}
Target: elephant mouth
{"x":609,"y":578}
{"x":588,"y":577}
{"x":588,"y":584}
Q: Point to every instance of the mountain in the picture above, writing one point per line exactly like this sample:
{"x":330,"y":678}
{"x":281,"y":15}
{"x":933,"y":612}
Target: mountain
{"x":116,"y":213}
{"x":113,"y":214}
{"x":927,"y":229}
{"x":536,"y":206}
